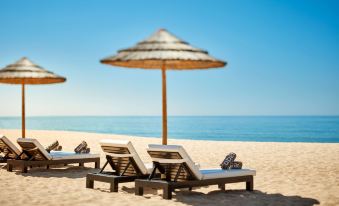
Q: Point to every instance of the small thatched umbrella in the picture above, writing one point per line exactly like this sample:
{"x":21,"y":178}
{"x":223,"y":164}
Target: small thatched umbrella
{"x":166,"y":52}
{"x":25,"y":72}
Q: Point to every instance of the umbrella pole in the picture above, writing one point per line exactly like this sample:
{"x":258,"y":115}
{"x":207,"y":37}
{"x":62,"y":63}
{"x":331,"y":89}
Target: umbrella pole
{"x":23,"y":110}
{"x":164,"y":105}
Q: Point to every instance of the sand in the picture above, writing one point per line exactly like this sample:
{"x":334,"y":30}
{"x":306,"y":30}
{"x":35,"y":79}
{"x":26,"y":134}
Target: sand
{"x":287,"y":174}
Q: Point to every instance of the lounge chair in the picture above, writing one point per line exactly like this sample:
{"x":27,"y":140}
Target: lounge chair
{"x":181,"y":172}
{"x":9,"y":150}
{"x":124,"y":161}
{"x":36,"y":155}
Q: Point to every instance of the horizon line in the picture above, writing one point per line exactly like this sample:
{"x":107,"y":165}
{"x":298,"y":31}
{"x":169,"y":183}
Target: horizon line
{"x":264,"y":115}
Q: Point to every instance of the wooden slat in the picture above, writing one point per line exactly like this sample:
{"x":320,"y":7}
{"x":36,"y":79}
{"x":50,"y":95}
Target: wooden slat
{"x":171,"y":169}
{"x":29,"y":147}
{"x":164,"y":155}
{"x":115,"y":150}
{"x":7,"y":150}
{"x":121,"y":162}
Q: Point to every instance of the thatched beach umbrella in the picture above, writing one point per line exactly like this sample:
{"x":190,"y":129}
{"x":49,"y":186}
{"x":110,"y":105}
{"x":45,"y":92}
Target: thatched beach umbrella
{"x":164,"y":51}
{"x":25,"y":72}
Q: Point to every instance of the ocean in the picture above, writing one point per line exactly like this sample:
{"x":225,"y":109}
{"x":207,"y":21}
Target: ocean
{"x":221,"y":128}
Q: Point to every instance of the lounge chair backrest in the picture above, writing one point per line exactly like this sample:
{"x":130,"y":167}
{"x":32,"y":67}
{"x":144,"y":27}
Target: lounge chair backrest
{"x":172,"y":156}
{"x":32,"y":147}
{"x":7,"y":146}
{"x":121,"y":153}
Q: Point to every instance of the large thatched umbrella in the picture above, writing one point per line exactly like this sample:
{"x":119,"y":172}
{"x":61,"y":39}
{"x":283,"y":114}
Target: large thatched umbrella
{"x":164,"y":51}
{"x":25,"y":72}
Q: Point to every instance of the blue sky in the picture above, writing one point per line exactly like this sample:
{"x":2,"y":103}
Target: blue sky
{"x":283,"y":56}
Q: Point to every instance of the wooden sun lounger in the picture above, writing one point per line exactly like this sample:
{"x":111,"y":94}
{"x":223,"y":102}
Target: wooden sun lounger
{"x":36,"y":155}
{"x":124,"y":161}
{"x":181,"y":172}
{"x":9,"y":150}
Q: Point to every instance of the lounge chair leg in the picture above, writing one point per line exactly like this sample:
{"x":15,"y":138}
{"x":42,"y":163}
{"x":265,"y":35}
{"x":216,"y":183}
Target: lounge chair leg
{"x":81,"y":164}
{"x":9,"y":167}
{"x":114,"y":186}
{"x":190,"y":188}
{"x":89,"y":183}
{"x":222,"y":186}
{"x":249,"y":184}
{"x":47,"y":166}
{"x":24,"y":169}
{"x":167,"y":192}
{"x":139,"y":190}
{"x":97,"y":165}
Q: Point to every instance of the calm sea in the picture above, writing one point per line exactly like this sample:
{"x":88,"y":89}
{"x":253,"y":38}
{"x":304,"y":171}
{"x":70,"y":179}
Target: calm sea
{"x":223,"y":128}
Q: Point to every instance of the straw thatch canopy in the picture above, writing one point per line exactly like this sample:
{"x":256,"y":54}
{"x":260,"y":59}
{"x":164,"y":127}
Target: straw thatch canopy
{"x":164,"y":51}
{"x":26,"y":72}
{"x":163,"y":48}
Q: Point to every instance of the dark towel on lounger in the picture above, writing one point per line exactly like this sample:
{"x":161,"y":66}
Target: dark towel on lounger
{"x":82,"y":148}
{"x":53,"y":146}
{"x":236,"y":165}
{"x":229,"y":159}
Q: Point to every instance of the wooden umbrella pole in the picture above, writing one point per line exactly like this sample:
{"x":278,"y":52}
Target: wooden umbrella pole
{"x":23,"y":110}
{"x":164,"y":105}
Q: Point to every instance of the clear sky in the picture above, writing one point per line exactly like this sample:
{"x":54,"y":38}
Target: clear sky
{"x":283,"y":56}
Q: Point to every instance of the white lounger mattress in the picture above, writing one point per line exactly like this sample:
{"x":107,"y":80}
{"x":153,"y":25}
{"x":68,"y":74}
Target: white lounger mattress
{"x":220,"y":173}
{"x":59,"y":155}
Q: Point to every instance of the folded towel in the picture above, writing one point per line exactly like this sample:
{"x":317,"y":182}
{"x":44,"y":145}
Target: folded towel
{"x":236,"y":165}
{"x":85,"y":151}
{"x":229,"y":159}
{"x":81,"y":148}
{"x":53,"y":146}
{"x":59,"y":148}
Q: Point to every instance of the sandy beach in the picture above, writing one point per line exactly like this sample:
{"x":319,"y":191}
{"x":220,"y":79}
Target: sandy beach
{"x":287,"y":174}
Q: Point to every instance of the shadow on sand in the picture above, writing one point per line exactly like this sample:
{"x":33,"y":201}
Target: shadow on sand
{"x":231,"y":197}
{"x":241,"y":197}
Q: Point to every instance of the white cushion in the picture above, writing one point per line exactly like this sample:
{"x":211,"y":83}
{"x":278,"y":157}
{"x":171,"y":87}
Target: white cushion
{"x":59,"y":155}
{"x":36,"y":144}
{"x":176,"y":148}
{"x":10,"y":144}
{"x":220,"y":173}
{"x":133,"y":153}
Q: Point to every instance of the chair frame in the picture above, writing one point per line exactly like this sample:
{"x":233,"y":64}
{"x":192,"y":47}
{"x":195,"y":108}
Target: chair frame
{"x":7,"y":151}
{"x":3,"y":159}
{"x":24,"y":164}
{"x":116,"y":177}
{"x":175,"y":179}
{"x":34,"y":157}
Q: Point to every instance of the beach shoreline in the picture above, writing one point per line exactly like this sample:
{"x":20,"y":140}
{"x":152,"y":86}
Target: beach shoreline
{"x":287,"y":174}
{"x":223,"y":128}
{"x":159,"y":138}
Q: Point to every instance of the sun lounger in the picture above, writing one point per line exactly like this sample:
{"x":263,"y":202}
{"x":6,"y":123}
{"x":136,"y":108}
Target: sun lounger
{"x":181,"y":172}
{"x":9,"y":150}
{"x":124,"y":161}
{"x":36,"y":155}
